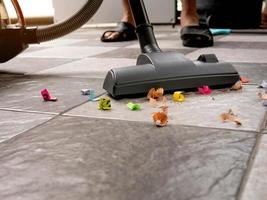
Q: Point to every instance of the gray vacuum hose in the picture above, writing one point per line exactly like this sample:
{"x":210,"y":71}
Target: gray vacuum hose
{"x":76,"y":21}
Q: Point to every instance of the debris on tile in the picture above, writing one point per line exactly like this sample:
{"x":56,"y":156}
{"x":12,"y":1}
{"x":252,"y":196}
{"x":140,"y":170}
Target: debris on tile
{"x":244,"y":79}
{"x":134,"y":106}
{"x":95,"y":99}
{"x":155,"y":93}
{"x":230,"y":116}
{"x":91,"y":95}
{"x":263,"y":96}
{"x":263,"y":84}
{"x":204,"y":90}
{"x":86,"y":91}
{"x":47,"y":96}
{"x":237,"y":86}
{"x":178,"y":96}
{"x":164,"y":109}
{"x":161,"y":118}
{"x":153,"y":102}
{"x":104,"y":104}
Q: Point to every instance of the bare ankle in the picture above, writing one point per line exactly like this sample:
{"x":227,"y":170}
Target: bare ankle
{"x":189,"y":19}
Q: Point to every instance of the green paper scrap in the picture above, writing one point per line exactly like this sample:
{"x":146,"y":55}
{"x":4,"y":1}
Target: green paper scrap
{"x":134,"y":106}
{"x":220,"y":31}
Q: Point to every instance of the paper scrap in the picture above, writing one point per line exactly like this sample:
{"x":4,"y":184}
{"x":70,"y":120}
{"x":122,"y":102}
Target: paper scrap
{"x":47,"y":96}
{"x":160,"y":119}
{"x":104,"y":104}
{"x":155,"y":93}
{"x":134,"y":106}
{"x":178,"y":96}
{"x":263,"y":96}
{"x":230,"y":116}
{"x":237,"y":86}
{"x":86,"y":91}
{"x":263,"y":84}
{"x":244,"y":79}
{"x":204,"y":90}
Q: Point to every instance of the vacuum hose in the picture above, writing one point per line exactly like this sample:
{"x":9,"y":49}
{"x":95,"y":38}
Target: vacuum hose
{"x":76,"y":21}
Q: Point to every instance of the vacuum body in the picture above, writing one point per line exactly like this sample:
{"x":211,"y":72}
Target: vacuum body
{"x":168,"y":70}
{"x":15,"y":38}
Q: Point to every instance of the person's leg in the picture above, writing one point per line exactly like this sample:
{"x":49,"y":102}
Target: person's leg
{"x":189,"y":16}
{"x":264,"y":15}
{"x":192,"y":34}
{"x":127,"y":20}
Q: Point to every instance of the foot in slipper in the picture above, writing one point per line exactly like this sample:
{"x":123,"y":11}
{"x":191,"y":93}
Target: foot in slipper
{"x":196,"y":36}
{"x":123,"y":32}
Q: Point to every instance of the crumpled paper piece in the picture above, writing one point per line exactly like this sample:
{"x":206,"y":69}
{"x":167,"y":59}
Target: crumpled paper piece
{"x":237,"y":86}
{"x":134,"y":106}
{"x":230,"y":116}
{"x":244,"y":79}
{"x":155,"y":93}
{"x":155,"y":96}
{"x":89,"y":92}
{"x":178,"y":96}
{"x":46,"y":95}
{"x":104,"y":104}
{"x":204,"y":90}
{"x":263,"y":96}
{"x":161,"y":118}
{"x":263,"y":84}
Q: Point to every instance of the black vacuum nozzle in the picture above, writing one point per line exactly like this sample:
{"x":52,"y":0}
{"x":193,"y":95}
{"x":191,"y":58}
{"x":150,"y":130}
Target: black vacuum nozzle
{"x":171,"y":71}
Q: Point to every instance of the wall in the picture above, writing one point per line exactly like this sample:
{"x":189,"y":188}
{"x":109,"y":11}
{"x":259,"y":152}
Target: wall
{"x":159,"y":11}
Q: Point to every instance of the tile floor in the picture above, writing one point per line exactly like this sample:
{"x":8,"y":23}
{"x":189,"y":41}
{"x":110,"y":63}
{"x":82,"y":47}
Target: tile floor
{"x":71,"y":150}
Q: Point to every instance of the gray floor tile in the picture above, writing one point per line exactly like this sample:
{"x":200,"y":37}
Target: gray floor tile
{"x":166,"y":44}
{"x":24,"y":94}
{"x":256,"y":186}
{"x":60,"y":42}
{"x":131,"y":53}
{"x":8,"y":77}
{"x":240,"y":45}
{"x":89,"y":67}
{"x":70,"y":52}
{"x":244,"y":38}
{"x":14,"y":123}
{"x":97,"y":42}
{"x":254,"y":71}
{"x":81,"y":158}
{"x":233,"y":55}
{"x":29,"y":65}
{"x":198,"y":110}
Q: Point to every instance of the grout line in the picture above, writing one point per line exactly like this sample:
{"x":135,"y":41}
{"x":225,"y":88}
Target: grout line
{"x":250,"y":164}
{"x":192,"y":126}
{"x":251,"y":161}
{"x":28,"y":111}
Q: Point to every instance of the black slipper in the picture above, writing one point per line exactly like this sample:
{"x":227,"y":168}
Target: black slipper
{"x":196,"y":36}
{"x":126,"y":33}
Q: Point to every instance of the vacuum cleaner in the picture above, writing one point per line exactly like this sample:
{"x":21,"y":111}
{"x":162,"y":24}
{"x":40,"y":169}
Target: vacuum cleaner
{"x":168,"y":70}
{"x":154,"y":68}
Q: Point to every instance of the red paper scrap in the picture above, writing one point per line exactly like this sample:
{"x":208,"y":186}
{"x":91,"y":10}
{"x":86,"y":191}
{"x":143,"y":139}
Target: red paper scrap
{"x":47,"y":96}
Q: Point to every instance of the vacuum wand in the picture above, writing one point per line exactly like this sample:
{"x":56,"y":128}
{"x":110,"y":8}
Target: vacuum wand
{"x":168,"y":70}
{"x":144,"y":30}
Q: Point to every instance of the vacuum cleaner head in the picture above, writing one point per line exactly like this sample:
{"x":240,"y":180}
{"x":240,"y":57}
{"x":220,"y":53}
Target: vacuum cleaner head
{"x":171,"y":71}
